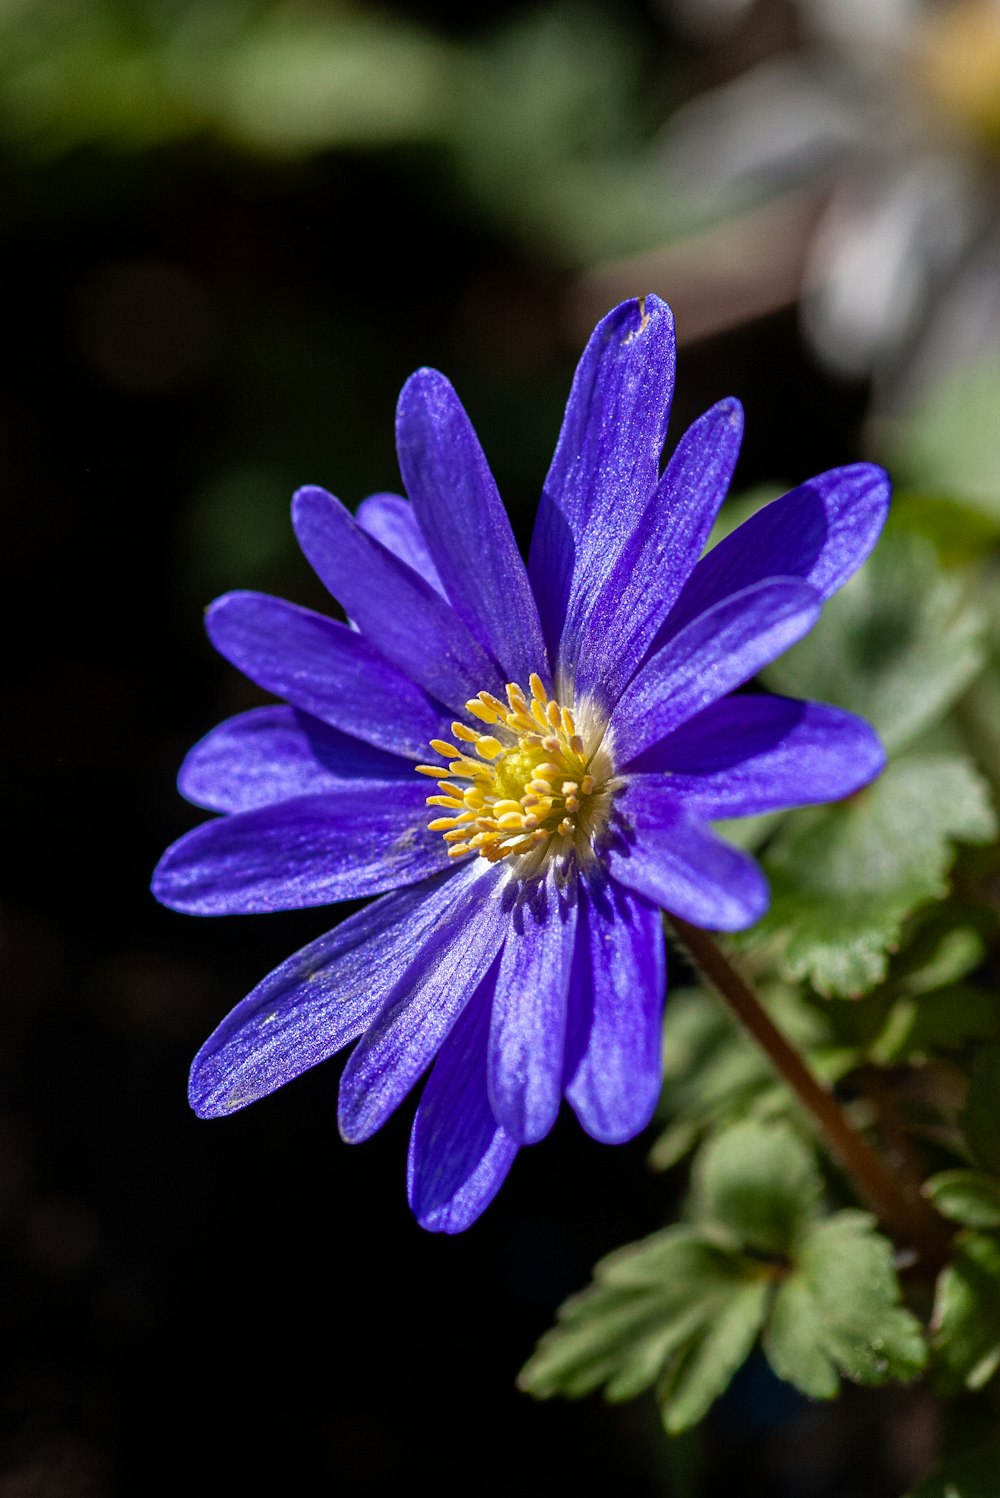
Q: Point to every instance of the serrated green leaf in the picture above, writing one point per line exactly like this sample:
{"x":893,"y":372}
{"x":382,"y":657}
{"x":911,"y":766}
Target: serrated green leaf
{"x":898,"y":644}
{"x":703,"y":1369}
{"x":980,"y":1118}
{"x":794,"y":1344}
{"x":646,"y":1303}
{"x":966,"y":1342}
{"x":966,"y":1196}
{"x":844,"y":878}
{"x":757,"y":1182}
{"x":839,"y":1311}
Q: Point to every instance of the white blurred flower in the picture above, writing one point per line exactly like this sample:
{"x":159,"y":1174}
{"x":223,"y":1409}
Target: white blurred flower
{"x":889,"y":112}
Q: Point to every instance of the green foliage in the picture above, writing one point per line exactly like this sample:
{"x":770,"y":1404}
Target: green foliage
{"x":758,"y":1185}
{"x":676,"y":1307}
{"x":947,"y":442}
{"x":969,"y":1476}
{"x":981,"y":1115}
{"x":966,"y":1196}
{"x":898,"y":644}
{"x":845,"y":878}
{"x":966,"y":1342}
{"x":683,"y":1309}
{"x":839,"y":1312}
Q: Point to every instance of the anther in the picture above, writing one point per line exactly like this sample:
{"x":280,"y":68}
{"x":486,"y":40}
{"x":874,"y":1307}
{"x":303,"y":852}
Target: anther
{"x":444,"y":748}
{"x":587,"y":784}
{"x":433,"y":770}
{"x":488,"y":747}
{"x":461,"y":732}
{"x":481,"y":711}
{"x":550,"y":744}
{"x":459,"y":850}
{"x":537,"y":690}
{"x":554,"y":715}
{"x":576,"y":744}
{"x":450,"y":801}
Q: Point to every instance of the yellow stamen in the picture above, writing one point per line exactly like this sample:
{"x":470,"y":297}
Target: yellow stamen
{"x":529,"y":790}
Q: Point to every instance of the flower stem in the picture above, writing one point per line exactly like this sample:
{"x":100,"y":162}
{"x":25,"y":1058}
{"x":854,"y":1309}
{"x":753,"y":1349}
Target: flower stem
{"x":897,"y":1203}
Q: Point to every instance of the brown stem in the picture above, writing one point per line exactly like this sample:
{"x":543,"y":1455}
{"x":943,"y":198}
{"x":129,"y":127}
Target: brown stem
{"x":905,"y":1212}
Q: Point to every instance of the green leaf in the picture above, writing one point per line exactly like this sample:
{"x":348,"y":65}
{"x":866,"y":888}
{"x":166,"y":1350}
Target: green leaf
{"x":966,"y":1196}
{"x":973,"y":1475}
{"x":966,"y":1343}
{"x":980,"y":1118}
{"x":648,"y":1302}
{"x":845,"y":877}
{"x":839,"y":1312}
{"x":948,"y":442}
{"x":703,"y":1369}
{"x":757,"y":1182}
{"x":898,"y":644}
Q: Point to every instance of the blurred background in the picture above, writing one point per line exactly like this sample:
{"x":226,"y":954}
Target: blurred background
{"x":229,"y":230}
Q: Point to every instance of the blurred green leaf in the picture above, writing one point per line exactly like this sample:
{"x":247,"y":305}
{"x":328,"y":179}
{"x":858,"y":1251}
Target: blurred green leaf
{"x":714,"y":1075}
{"x":898,"y":644}
{"x":845,"y":877}
{"x":959,"y":532}
{"x":948,"y":443}
{"x":966,"y":1196}
{"x":758,"y":1183}
{"x":966,"y":1342}
{"x":839,"y":1312}
{"x":980,"y":1118}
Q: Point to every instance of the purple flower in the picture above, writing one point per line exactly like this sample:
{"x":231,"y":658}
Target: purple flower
{"x":581,"y":733}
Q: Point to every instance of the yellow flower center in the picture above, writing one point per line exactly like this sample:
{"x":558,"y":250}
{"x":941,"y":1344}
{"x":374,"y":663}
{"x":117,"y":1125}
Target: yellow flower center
{"x":958,"y":62}
{"x":537,"y":783}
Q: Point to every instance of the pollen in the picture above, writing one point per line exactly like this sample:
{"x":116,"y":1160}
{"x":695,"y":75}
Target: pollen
{"x":536,"y":784}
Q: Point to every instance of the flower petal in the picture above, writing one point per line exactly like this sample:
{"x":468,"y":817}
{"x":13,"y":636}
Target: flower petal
{"x":403,"y":617}
{"x":607,"y":459}
{"x":313,"y":850}
{"x":459,"y":1155}
{"x":608,"y":633}
{"x":752,"y":754}
{"x":424,"y":1005}
{"x":469,"y":536}
{"x":528,"y":1031}
{"x":822,"y":532}
{"x":325,"y":669}
{"x":618,"y":988}
{"x":390,"y":519}
{"x":720,"y":650}
{"x":319,"y":1000}
{"x":274,"y":753}
{"x":672,"y":860}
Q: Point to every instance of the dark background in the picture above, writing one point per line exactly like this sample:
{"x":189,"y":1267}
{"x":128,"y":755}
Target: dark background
{"x":247,"y":1306}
